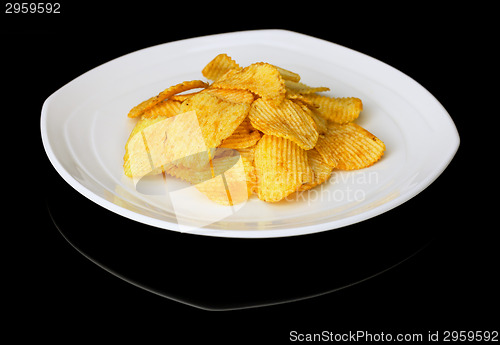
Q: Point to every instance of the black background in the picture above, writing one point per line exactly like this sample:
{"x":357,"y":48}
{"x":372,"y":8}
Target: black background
{"x":55,"y":292}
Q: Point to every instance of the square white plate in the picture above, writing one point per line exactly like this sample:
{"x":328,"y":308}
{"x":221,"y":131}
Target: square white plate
{"x":84,"y":128}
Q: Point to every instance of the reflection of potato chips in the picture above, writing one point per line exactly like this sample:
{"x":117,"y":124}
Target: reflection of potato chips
{"x":254,"y":130}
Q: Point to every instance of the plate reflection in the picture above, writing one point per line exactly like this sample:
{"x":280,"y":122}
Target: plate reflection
{"x":217,"y":273}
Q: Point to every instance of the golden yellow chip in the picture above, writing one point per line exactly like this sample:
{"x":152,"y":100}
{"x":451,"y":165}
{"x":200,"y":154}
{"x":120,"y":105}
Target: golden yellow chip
{"x":137,"y":159}
{"x":229,"y":188}
{"x":244,"y":136}
{"x":281,"y":167}
{"x":321,"y":170}
{"x":321,"y":122}
{"x":219,"y":66}
{"x":288,"y":120}
{"x":303,"y":89}
{"x":217,"y":118}
{"x":166,"y":108}
{"x":247,"y":155}
{"x":349,"y":147}
{"x":192,"y":176}
{"x":182,"y":96}
{"x":224,"y":181}
{"x":230,"y":95}
{"x":288,"y":75}
{"x":139,"y":109}
{"x":338,"y":110}
{"x":234,"y":182}
{"x":261,"y":78}
{"x":217,"y":166}
{"x":310,"y":108}
{"x":215,"y":189}
{"x":301,"y":99}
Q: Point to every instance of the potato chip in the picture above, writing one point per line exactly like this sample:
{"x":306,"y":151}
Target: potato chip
{"x":247,"y":155}
{"x":338,"y":110}
{"x":281,"y":167}
{"x":301,"y":88}
{"x":224,"y":181}
{"x":219,"y":66}
{"x":229,"y":188}
{"x":349,"y":147}
{"x":217,"y":118}
{"x":192,"y":176}
{"x":230,"y":95}
{"x":244,"y":136}
{"x":217,"y":166}
{"x":288,"y":120}
{"x":300,"y":99}
{"x":320,"y":121}
{"x":321,"y":170}
{"x":215,"y":189}
{"x":288,"y":75}
{"x":137,"y":160}
{"x":139,"y":109}
{"x":261,"y":78}
{"x":181,"y":97}
{"x":166,"y":108}
{"x":310,"y":108}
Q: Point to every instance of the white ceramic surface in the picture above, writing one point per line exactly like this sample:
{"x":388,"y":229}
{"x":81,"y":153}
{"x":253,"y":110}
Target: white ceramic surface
{"x":84,"y":128}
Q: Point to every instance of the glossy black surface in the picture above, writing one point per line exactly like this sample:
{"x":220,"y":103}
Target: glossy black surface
{"x":227,"y":273}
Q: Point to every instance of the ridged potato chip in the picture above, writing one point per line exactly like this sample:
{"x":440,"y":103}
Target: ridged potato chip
{"x":244,"y":136}
{"x":303,"y":89}
{"x":235,"y":183}
{"x":232,"y":95}
{"x":219,"y":66}
{"x":139,"y":109}
{"x":281,"y":167}
{"x":166,"y":108}
{"x":310,"y":108}
{"x":321,"y":170}
{"x":338,"y":110}
{"x":137,"y":159}
{"x":218,"y":117}
{"x":248,"y":156}
{"x":260,"y":78}
{"x":223,"y":181}
{"x":288,"y":120}
{"x":288,"y":75}
{"x":181,"y":97}
{"x":349,"y":147}
{"x":229,"y":188}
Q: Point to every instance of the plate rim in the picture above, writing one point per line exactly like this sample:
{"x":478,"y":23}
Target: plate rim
{"x":260,"y":233}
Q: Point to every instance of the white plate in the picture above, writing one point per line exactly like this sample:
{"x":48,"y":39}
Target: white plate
{"x":84,"y":128}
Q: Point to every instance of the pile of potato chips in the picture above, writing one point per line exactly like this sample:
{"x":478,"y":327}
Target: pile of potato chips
{"x":250,"y":130}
